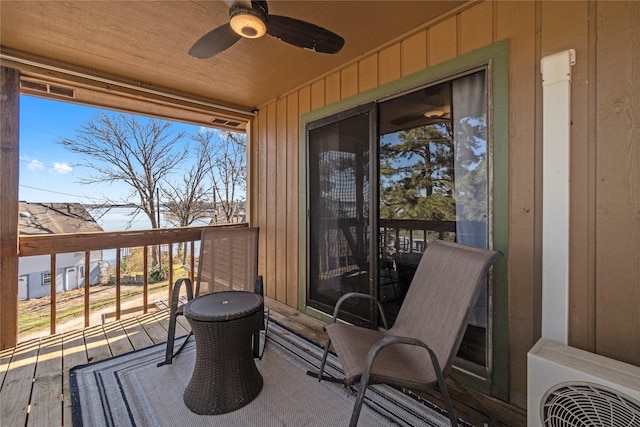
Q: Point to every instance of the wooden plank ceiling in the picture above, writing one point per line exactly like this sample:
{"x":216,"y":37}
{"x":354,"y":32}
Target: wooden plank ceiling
{"x":145,"y":44}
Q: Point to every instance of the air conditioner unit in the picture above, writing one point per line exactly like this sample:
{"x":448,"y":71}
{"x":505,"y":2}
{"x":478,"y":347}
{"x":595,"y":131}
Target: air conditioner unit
{"x":571,"y":387}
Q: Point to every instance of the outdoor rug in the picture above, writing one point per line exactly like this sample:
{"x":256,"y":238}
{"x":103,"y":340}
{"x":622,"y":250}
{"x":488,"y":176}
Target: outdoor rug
{"x":130,"y":390}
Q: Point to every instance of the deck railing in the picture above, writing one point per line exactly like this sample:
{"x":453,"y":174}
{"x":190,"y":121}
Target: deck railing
{"x":55,"y":244}
{"x":412,"y":235}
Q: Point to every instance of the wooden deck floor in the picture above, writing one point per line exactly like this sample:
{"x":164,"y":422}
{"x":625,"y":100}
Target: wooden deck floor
{"x":34,"y":376}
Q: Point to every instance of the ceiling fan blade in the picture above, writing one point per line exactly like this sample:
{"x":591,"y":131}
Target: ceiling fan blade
{"x":409,"y":118}
{"x":304,"y":34}
{"x":425,"y":120}
{"x":244,"y":3}
{"x":214,"y":42}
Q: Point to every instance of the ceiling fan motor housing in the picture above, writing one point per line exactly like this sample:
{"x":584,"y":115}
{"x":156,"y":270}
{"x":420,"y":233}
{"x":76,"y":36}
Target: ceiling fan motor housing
{"x":249,"y":23}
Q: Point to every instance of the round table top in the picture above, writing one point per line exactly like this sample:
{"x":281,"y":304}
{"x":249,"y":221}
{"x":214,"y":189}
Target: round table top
{"x":223,"y":306}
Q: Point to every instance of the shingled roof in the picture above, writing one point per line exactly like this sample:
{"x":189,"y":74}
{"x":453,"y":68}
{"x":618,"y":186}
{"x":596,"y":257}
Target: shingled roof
{"x":55,"y":218}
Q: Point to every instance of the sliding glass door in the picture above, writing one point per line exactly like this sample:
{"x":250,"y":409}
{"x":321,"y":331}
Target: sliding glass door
{"x":387,"y":179}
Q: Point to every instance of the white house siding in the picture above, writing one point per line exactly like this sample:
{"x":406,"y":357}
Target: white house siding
{"x":35,"y":266}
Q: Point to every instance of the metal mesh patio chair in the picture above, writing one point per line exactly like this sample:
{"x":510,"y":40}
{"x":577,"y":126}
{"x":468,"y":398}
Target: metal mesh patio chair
{"x":228,"y":262}
{"x":418,"y":351}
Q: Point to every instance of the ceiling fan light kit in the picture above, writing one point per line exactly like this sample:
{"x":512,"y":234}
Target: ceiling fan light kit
{"x":434,"y":114}
{"x":247,"y":23}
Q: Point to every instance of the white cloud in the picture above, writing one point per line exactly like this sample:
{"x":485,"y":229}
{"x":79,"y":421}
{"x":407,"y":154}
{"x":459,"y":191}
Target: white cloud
{"x":35,"y":165}
{"x":61,"y":168}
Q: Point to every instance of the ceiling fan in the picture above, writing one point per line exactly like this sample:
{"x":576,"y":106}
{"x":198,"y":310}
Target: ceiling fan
{"x":432,"y":108}
{"x":251,"y":19}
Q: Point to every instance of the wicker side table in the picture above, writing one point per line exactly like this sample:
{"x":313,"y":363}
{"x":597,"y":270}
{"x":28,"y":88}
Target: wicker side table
{"x":225,"y":376}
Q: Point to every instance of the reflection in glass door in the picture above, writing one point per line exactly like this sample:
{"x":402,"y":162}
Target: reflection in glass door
{"x":433,"y":182}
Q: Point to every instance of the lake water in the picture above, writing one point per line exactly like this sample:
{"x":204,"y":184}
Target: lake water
{"x":126,"y":218}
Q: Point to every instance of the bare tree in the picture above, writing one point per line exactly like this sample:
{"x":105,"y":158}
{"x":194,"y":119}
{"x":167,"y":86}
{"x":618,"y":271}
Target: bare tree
{"x":138,"y":153}
{"x":227,"y":158}
{"x":188,"y":199}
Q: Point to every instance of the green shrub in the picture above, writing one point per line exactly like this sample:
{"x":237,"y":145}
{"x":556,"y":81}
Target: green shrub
{"x":157,"y":274}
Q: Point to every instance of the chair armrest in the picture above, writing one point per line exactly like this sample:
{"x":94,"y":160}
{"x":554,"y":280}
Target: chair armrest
{"x":175,"y":293}
{"x":349,"y":295}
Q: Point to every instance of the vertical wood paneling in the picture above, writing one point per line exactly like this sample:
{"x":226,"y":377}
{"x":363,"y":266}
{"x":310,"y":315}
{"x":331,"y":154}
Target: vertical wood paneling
{"x":618,"y":180}
{"x":281,"y":199}
{"x":368,"y":73}
{"x":304,"y":100}
{"x":293,"y":190}
{"x":261,"y":195}
{"x":516,"y":24}
{"x":271,"y":201}
{"x":9,"y":158}
{"x":475,"y":27}
{"x":442,"y":41}
{"x":349,"y":81}
{"x":389,"y":64}
{"x":582,"y":331}
{"x":317,"y":94}
{"x":332,"y":88}
{"x":413,"y":53}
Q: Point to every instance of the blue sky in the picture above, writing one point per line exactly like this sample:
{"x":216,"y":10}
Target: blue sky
{"x":50,"y":173}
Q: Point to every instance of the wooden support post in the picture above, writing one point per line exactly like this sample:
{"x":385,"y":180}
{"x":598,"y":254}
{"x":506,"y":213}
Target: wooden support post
{"x":9,"y":173}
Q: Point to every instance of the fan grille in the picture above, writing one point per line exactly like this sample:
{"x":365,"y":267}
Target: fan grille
{"x":587,"y":404}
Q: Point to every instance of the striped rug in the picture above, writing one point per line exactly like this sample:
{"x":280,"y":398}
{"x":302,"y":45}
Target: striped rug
{"x":130,"y":390}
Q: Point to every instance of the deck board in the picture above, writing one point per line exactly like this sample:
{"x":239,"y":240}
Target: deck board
{"x":117,"y":338}
{"x":74,"y":354}
{"x":16,"y":388}
{"x":97,"y":344}
{"x":46,"y":397}
{"x":34,"y":376}
{"x":136,"y":334}
{"x":5,"y":359}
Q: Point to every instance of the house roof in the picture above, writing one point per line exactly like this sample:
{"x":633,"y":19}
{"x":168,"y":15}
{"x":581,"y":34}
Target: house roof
{"x":55,"y":218}
{"x":134,"y":55}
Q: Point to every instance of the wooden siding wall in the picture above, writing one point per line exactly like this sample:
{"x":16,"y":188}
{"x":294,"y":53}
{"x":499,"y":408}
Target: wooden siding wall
{"x":617,"y":182}
{"x":605,"y":201}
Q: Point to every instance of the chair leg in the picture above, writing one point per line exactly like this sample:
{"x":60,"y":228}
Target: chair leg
{"x":168,"y":355}
{"x":261,"y":325}
{"x":357,"y":407}
{"x":447,"y":400}
{"x":173,"y":314}
{"x":324,"y":359}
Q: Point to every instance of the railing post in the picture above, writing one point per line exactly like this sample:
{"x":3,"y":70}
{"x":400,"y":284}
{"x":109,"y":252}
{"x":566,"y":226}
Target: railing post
{"x":87,"y":283}
{"x":117,"y":283}
{"x":53,"y":278}
{"x":192,"y":261}
{"x":145,"y":277}
{"x":170,"y":265}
